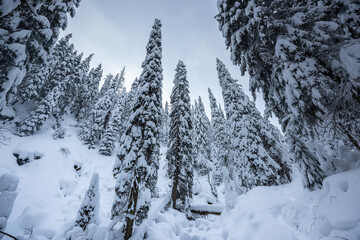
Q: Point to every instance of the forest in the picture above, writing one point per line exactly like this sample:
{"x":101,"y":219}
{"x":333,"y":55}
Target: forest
{"x":83,"y":157}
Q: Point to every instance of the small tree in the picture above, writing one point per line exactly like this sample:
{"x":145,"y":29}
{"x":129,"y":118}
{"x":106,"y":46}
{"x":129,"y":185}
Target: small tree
{"x":116,"y":126}
{"x":89,"y":209}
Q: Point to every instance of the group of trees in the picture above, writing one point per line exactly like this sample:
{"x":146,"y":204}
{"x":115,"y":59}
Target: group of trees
{"x":298,"y":53}
{"x":137,"y":123}
{"x":29,"y":30}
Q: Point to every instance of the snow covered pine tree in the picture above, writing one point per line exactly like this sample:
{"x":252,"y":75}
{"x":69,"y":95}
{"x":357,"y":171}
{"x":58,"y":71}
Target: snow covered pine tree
{"x":89,"y":93}
{"x":179,"y":155}
{"x":58,"y":82}
{"x":88,"y":212}
{"x":252,"y":164}
{"x":93,"y":129}
{"x":29,"y":30}
{"x":115,"y":128}
{"x":300,"y":54}
{"x":219,"y":140}
{"x":201,"y":141}
{"x":137,"y":161}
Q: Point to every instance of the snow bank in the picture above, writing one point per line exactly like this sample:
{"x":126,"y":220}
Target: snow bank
{"x":51,"y":188}
{"x":280,"y":212}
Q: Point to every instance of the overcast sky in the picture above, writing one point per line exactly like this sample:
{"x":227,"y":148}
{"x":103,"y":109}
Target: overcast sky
{"x":117,"y":31}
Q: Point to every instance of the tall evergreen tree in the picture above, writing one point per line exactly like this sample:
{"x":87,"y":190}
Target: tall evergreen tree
{"x":106,"y":85}
{"x":89,"y":93}
{"x":137,"y":162}
{"x":201,"y":128}
{"x":253,"y":165}
{"x":179,"y":155}
{"x":29,"y":32}
{"x":116,"y":126}
{"x":165,"y":124}
{"x":298,"y":54}
{"x":97,"y":123}
{"x":220,"y":139}
{"x":131,"y":99}
{"x":80,"y":86}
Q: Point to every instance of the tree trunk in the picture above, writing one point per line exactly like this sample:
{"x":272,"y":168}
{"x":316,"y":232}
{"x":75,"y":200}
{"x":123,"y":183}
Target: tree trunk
{"x":132,"y":206}
{"x":174,"y":187}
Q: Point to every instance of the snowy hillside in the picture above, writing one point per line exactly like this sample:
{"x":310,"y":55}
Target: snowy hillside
{"x":50,"y":192}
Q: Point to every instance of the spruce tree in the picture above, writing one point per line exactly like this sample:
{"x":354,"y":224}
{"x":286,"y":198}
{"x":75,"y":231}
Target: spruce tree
{"x":301,"y":65}
{"x":30,"y":88}
{"x":179,"y":155}
{"x":220,"y":139}
{"x":79,"y":86}
{"x":131,"y":99}
{"x":109,"y":78}
{"x":137,"y":161}
{"x":89,"y":93}
{"x":89,"y":209}
{"x":253,"y":165}
{"x":116,"y":126}
{"x":165,"y":124}
{"x":59,"y":78}
{"x":98,"y":120}
{"x":201,"y":141}
{"x":29,"y":32}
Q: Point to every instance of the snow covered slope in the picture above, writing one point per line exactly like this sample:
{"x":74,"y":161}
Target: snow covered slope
{"x":51,"y":190}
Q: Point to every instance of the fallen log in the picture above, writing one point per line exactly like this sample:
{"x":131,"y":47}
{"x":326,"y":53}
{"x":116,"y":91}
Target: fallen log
{"x":204,"y":212}
{"x":207,"y":209}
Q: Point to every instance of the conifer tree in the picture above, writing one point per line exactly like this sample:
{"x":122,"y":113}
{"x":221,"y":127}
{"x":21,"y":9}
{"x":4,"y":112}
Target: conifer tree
{"x":131,"y":99}
{"x":89,"y":209}
{"x":108,"y":79}
{"x":95,"y":126}
{"x":253,"y":165}
{"x":59,"y":78}
{"x":165,"y":124}
{"x":79,"y":86}
{"x":116,"y":126}
{"x":89,"y":93}
{"x":179,"y":155}
{"x":29,"y":32}
{"x":137,"y":161}
{"x":300,"y":64}
{"x":30,"y":88}
{"x":201,"y":129}
{"x":220,"y":139}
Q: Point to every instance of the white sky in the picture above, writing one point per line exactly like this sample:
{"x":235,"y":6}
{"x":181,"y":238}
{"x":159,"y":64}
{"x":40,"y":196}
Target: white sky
{"x":117,"y":31}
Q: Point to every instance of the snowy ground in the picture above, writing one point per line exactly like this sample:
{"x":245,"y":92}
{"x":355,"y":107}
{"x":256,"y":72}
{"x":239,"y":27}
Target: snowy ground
{"x":50,"y":192}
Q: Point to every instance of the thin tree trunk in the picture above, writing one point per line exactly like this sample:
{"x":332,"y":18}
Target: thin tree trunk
{"x":174,"y":187}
